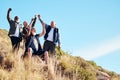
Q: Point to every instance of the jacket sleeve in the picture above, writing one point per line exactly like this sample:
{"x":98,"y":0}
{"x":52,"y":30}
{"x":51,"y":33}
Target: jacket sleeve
{"x":46,"y":26}
{"x":58,"y":37}
{"x":8,"y":16}
{"x":33,"y":24}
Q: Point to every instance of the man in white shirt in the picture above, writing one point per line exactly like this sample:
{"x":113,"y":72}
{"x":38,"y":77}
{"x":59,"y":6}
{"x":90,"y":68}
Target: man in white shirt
{"x":51,"y":37}
{"x":14,"y":31}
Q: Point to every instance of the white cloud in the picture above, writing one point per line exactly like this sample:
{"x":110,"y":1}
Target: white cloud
{"x":97,"y":50}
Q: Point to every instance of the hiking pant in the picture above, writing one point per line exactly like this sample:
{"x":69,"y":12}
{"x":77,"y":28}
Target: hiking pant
{"x":15,"y":42}
{"x":49,"y":46}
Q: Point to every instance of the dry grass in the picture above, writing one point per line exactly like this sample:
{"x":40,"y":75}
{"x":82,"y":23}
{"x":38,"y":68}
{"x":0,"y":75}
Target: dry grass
{"x":65,"y":67}
{"x":14,"y":68}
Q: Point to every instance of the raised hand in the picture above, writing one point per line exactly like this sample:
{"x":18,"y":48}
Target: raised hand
{"x":10,"y":9}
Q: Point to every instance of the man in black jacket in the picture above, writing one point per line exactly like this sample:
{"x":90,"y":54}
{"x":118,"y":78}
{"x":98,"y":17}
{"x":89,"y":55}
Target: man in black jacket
{"x":14,"y":31}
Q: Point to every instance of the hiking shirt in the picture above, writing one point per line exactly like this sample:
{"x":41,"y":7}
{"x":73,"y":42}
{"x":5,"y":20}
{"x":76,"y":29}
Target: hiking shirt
{"x":33,"y":42}
{"x":50,"y":35}
{"x":17,"y":31}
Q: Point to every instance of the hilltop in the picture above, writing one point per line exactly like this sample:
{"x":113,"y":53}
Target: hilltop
{"x":66,"y":67}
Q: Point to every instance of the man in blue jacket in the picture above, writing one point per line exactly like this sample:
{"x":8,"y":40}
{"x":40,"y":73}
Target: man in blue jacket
{"x":51,"y":37}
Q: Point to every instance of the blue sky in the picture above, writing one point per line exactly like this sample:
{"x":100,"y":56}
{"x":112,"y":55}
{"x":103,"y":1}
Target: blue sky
{"x":89,"y":28}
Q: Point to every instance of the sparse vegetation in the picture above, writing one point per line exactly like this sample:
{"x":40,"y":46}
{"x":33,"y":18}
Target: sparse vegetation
{"x":66,"y":67}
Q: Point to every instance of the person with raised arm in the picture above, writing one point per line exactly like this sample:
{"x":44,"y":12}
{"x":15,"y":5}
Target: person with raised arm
{"x":34,"y":46}
{"x":51,"y":37}
{"x":14,"y":31}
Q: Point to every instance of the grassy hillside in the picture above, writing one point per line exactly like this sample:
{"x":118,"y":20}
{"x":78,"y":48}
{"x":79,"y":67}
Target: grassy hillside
{"x":66,"y":67}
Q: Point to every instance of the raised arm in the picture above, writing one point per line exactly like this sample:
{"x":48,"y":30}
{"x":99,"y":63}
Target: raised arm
{"x":31,"y":22}
{"x":8,"y":14}
{"x":29,"y":31}
{"x":34,"y":21}
{"x":42,"y":22}
{"x":43,"y":31}
{"x":43,"y":27}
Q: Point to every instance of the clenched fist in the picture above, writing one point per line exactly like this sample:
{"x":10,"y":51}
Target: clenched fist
{"x":9,"y":9}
